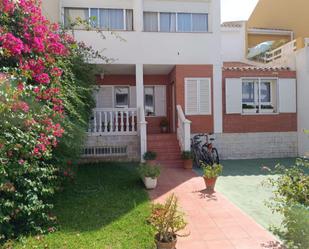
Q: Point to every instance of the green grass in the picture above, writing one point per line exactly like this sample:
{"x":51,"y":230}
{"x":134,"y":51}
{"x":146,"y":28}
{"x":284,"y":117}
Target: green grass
{"x":105,"y":208}
{"x":241,"y":183}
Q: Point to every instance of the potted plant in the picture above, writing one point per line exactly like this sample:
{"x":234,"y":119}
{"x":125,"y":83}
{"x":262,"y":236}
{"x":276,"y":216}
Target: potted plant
{"x":149,"y":174}
{"x":164,"y":125}
{"x":150,"y":157}
{"x":248,"y":108}
{"x":210,"y":174}
{"x":267,"y":109}
{"x":187,"y":159}
{"x":167,"y":221}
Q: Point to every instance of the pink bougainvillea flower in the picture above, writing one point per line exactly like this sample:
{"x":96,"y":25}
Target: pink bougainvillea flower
{"x":56,"y":72}
{"x":20,"y":87}
{"x":20,"y":106}
{"x":7,"y":6}
{"x":21,"y":162}
{"x":13,"y":45}
{"x":42,"y":78}
{"x":38,"y":45}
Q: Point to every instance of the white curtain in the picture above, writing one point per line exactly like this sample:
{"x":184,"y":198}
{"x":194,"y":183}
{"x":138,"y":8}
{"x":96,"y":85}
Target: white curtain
{"x":111,"y":19}
{"x":151,"y":21}
{"x":167,"y":22}
{"x":199,"y":22}
{"x":129,"y":20}
{"x":184,"y":22}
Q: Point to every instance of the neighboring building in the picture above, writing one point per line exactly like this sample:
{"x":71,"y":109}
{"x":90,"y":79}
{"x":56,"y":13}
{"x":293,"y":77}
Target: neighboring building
{"x":278,"y":20}
{"x":168,"y":65}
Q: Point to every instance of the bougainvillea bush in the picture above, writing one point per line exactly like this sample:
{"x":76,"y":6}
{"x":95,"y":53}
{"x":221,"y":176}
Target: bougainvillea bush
{"x":45,"y":102}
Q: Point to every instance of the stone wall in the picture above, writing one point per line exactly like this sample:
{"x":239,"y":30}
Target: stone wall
{"x":256,"y":145}
{"x":130,"y":142}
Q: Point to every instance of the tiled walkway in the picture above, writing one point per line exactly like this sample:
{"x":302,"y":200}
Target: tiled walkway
{"x":213,"y":221}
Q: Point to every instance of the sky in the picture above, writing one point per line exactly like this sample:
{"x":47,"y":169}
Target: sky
{"x":236,"y":10}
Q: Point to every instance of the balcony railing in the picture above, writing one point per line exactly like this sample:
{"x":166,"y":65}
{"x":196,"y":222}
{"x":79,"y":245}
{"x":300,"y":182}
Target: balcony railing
{"x":113,"y":121}
{"x":183,"y":130}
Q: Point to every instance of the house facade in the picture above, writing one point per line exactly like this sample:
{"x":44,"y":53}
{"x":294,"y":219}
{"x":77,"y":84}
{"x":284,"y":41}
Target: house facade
{"x":167,"y":66}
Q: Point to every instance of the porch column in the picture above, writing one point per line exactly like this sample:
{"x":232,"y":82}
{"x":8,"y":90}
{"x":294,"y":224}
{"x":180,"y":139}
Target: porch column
{"x":139,"y":74}
{"x":217,"y":99}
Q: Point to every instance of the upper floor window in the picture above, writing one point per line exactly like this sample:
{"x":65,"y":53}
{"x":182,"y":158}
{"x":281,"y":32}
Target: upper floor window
{"x":175,"y":22}
{"x":121,"y":97}
{"x":106,"y":19}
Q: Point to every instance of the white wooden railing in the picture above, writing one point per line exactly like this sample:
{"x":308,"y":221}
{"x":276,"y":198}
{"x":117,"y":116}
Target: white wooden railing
{"x":113,"y":121}
{"x":142,"y":132}
{"x":281,"y":52}
{"x":183,"y":130}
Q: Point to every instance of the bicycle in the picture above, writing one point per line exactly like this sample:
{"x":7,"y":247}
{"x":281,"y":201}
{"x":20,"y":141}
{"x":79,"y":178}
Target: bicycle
{"x":206,"y":153}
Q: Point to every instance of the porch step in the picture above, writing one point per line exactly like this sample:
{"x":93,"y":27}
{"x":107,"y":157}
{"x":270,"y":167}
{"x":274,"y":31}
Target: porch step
{"x":167,"y":148}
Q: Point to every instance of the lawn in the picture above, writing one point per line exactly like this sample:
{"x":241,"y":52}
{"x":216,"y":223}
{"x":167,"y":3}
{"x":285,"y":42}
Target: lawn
{"x":241,"y":183}
{"x":105,"y":208}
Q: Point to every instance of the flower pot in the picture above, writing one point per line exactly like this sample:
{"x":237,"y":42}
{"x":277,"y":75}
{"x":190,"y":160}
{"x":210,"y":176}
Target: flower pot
{"x":249,"y":111}
{"x":210,"y":183}
{"x":267,"y":110}
{"x":164,"y":129}
{"x":188,"y":163}
{"x":166,"y":245}
{"x":150,"y":183}
{"x":151,"y":162}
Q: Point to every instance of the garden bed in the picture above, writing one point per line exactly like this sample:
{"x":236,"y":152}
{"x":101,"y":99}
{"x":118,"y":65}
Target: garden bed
{"x":106,"y":207}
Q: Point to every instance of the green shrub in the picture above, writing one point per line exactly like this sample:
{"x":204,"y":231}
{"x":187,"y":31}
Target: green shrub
{"x":291,"y":199}
{"x":146,"y":170}
{"x":211,"y":171}
{"x":150,"y":155}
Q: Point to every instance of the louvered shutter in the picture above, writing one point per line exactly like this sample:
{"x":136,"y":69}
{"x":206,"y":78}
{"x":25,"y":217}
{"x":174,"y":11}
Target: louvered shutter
{"x":191,"y":96}
{"x":132,"y":97}
{"x":160,"y":100}
{"x":287,"y":95}
{"x":233,"y":95}
{"x":104,"y":97}
{"x":204,"y":96}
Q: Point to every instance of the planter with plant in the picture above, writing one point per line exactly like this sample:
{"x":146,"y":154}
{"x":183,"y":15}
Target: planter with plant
{"x":210,"y":174}
{"x":248,"y":108}
{"x":164,"y":125}
{"x":149,"y":175}
{"x":150,"y":157}
{"x":267,"y":109}
{"x":187,"y":159}
{"x":167,"y":221}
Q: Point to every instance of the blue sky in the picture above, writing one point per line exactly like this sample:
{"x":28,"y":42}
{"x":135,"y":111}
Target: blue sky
{"x":235,"y":10}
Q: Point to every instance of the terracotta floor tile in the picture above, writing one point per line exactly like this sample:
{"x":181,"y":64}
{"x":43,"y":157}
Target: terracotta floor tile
{"x":214,"y":222}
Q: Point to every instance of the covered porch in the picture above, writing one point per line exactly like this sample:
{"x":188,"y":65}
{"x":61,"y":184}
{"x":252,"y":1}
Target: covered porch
{"x":131,"y":103}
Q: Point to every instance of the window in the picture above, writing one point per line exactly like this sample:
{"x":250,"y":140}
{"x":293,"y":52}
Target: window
{"x":72,"y":14}
{"x":151,"y":21}
{"x":197,"y":96}
{"x":175,"y":22}
{"x":258,"y":95}
{"x":106,"y":19}
{"x":149,"y":101}
{"x":167,"y":22}
{"x":121,"y":97}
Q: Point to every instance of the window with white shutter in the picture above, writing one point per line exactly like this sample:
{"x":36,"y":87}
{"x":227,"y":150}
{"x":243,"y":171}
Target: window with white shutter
{"x":197,"y":96}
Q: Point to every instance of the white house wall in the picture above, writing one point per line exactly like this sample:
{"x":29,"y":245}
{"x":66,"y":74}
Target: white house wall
{"x":233,"y":42}
{"x":302,"y":64}
{"x":156,"y":47}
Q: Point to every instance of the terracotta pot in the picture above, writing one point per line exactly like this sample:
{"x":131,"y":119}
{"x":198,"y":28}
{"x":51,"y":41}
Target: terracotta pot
{"x":151,"y":162}
{"x":163,"y":129}
{"x":166,"y":245}
{"x":188,"y":163}
{"x":150,"y":183}
{"x":210,"y":183}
